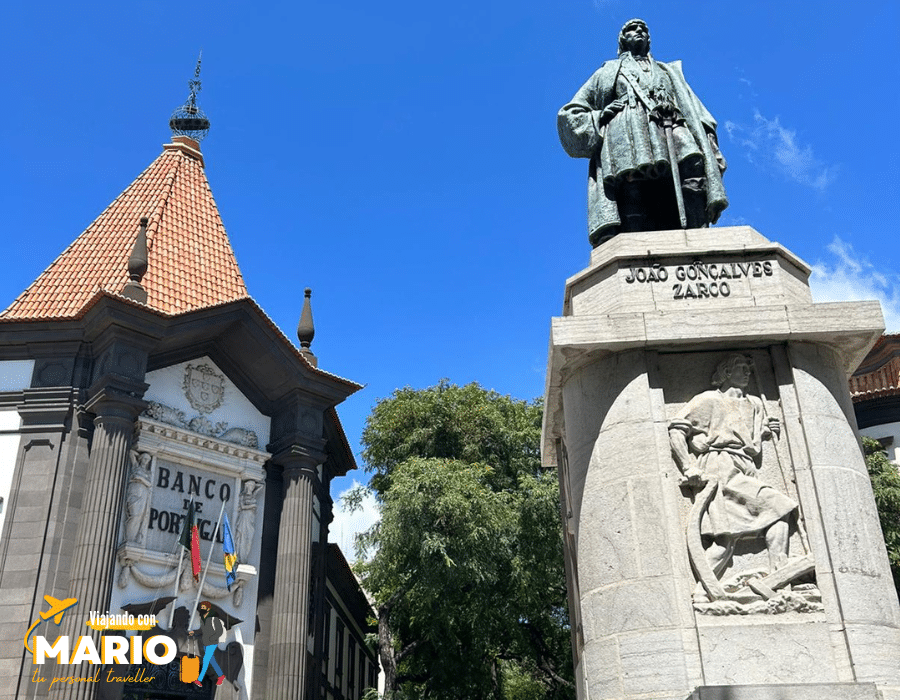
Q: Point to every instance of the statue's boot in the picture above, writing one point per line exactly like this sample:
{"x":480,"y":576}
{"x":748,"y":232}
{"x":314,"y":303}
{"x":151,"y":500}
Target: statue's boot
{"x":693,"y":190}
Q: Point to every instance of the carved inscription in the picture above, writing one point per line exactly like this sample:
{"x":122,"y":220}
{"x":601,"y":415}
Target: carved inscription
{"x":173,"y":489}
{"x":699,"y":280}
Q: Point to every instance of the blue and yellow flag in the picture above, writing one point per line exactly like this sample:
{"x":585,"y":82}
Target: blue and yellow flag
{"x":228,"y":552}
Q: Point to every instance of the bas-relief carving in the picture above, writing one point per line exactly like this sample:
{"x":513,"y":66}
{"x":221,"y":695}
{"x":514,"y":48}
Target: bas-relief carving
{"x":137,"y":495}
{"x":203,"y":387}
{"x":166,"y":414}
{"x":202,"y":425}
{"x":717,"y":442}
{"x":240,"y":436}
{"x":128,"y":561}
{"x":246,"y":520}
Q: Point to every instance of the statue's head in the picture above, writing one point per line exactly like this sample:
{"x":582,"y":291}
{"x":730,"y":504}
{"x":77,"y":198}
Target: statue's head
{"x":734,"y":370}
{"x":634,"y":37}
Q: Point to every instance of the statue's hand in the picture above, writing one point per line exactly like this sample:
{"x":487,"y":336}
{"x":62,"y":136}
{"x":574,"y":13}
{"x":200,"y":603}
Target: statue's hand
{"x":612,"y":109}
{"x":774,"y":426}
{"x":693,"y":477}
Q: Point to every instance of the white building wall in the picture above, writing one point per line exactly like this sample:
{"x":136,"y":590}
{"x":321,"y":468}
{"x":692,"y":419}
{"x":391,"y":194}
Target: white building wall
{"x":15,"y":375}
{"x":886,"y":430}
{"x":10,"y":422}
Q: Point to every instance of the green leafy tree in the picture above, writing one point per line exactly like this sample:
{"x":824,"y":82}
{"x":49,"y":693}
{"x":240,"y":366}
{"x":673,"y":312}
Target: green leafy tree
{"x":886,"y":486}
{"x":466,"y":563}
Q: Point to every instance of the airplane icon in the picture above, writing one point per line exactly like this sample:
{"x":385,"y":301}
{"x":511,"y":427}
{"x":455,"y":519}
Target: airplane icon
{"x":57,"y":608}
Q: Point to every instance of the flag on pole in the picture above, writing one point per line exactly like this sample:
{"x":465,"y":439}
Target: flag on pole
{"x":190,"y":540}
{"x":228,"y":552}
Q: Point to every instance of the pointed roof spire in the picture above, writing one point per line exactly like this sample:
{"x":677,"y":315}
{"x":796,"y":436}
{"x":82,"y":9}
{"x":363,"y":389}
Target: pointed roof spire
{"x":305,"y":329}
{"x":188,"y":119}
{"x":191,"y":264}
{"x":137,"y":266}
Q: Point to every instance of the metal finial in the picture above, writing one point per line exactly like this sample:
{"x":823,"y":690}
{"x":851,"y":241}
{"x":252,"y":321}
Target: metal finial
{"x":305,"y":329}
{"x":137,"y":266}
{"x":188,"y":119}
{"x":194,"y":84}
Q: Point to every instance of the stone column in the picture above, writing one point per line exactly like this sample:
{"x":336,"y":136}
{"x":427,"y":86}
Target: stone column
{"x":114,"y":401}
{"x":287,"y":648}
{"x":318,"y":582}
{"x":31,"y":553}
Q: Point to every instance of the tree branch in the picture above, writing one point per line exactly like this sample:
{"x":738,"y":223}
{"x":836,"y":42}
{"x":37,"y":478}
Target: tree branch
{"x":413,"y":678}
{"x":407,"y":650}
{"x":544,"y":664}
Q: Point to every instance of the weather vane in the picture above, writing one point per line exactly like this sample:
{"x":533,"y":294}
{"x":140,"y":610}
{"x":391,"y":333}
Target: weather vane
{"x":188,"y":119}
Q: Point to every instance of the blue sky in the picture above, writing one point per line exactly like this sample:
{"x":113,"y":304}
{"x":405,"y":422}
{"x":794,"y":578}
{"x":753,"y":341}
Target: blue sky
{"x":402,"y":159}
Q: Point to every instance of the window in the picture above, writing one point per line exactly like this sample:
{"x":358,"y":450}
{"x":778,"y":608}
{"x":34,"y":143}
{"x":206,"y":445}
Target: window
{"x":351,"y":668}
{"x":326,"y":645}
{"x":339,"y":656}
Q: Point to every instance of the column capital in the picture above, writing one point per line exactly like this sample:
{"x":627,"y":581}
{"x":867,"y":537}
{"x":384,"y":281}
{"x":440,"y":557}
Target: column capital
{"x":300,"y":456}
{"x":116,"y":396}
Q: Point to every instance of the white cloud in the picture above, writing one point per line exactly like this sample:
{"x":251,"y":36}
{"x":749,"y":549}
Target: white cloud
{"x":851,"y":277}
{"x":771,"y":145}
{"x":346,"y":525}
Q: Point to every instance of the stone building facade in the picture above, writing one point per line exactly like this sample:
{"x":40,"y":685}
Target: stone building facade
{"x":138,"y":378}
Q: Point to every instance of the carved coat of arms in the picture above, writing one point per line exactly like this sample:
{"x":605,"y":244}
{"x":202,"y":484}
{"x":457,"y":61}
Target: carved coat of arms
{"x":204,"y":388}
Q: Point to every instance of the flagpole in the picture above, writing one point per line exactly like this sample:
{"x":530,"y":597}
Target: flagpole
{"x":177,"y":577}
{"x":212,"y":546}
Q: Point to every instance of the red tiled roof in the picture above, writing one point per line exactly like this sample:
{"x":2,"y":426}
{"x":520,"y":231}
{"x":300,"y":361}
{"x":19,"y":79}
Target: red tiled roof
{"x":879,"y":373}
{"x":191,"y":264}
{"x":884,"y":379}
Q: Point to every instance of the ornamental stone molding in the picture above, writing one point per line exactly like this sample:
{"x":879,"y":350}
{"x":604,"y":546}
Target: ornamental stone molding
{"x":201,"y":424}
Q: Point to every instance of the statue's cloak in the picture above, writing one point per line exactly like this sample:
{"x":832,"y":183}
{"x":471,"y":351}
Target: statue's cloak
{"x":583,"y":136}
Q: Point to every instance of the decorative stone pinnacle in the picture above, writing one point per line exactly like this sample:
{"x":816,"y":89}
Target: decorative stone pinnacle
{"x":306,"y":330}
{"x":137,"y":266}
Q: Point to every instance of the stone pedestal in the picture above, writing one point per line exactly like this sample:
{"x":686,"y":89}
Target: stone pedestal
{"x":645,"y":328}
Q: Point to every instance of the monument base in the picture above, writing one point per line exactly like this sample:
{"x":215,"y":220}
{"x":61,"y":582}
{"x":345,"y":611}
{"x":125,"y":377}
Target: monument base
{"x":721,"y":531}
{"x":811,"y":691}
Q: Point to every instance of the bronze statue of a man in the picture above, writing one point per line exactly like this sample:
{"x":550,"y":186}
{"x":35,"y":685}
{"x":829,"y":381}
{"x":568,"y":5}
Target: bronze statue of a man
{"x":634,"y":118}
